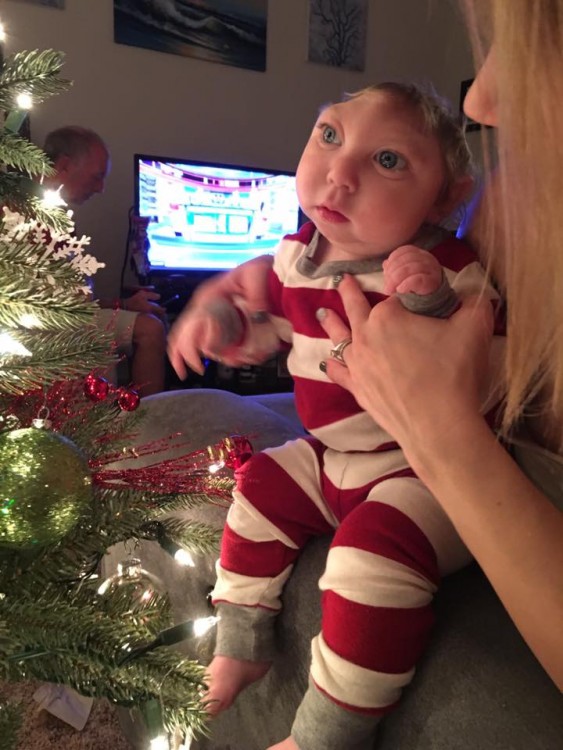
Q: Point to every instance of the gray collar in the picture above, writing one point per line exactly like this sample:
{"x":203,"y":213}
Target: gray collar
{"x":427,"y":238}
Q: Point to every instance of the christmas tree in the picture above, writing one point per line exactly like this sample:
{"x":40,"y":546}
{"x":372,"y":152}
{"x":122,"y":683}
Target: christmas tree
{"x":64,"y":499}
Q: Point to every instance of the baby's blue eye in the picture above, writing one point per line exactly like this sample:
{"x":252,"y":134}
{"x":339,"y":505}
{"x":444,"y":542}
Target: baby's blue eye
{"x":390,"y":160}
{"x":329,"y":134}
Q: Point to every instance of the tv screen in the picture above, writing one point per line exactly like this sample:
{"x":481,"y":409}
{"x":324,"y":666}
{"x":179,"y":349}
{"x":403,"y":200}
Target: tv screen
{"x":206,"y":216}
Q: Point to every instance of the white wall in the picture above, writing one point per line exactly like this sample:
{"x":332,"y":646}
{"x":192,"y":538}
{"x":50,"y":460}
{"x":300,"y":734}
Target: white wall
{"x":151,"y":102}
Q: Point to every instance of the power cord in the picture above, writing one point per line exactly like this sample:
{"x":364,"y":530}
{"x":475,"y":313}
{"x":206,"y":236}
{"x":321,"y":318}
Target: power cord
{"x":127,"y":246}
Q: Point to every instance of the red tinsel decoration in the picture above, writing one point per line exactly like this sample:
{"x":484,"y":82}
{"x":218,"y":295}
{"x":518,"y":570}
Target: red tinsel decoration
{"x":183,"y":474}
{"x":186,"y":472}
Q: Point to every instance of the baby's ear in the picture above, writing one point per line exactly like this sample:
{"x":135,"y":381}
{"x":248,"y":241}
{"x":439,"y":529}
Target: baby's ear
{"x":458,"y":192}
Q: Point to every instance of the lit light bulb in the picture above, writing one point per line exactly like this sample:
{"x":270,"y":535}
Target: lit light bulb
{"x":24,"y":100}
{"x":183,"y":557}
{"x":9,"y":345}
{"x":202,"y":625}
{"x":160,"y":743}
{"x":2,"y":32}
{"x":214,"y":468}
{"x":53,"y":198}
{"x":29,"y":320}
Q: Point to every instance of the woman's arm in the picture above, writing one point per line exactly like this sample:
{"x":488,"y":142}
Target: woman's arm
{"x":422,"y":380}
{"x":512,"y":529}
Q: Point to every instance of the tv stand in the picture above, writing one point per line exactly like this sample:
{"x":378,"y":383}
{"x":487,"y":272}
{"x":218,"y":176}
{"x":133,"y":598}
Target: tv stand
{"x":176,"y":288}
{"x":250,"y":380}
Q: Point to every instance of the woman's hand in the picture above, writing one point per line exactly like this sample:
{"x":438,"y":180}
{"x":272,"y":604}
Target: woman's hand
{"x":413,"y":374}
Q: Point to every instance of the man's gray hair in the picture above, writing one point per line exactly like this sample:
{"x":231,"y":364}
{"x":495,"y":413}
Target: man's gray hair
{"x":72,"y":141}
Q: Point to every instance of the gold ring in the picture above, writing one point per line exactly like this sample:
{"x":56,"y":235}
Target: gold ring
{"x":337,"y":352}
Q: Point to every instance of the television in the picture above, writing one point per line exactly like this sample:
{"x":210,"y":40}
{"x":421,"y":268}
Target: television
{"x":205,"y":216}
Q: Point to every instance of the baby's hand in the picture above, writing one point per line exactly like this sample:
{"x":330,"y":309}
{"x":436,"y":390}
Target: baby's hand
{"x":409,"y":269}
{"x":196,"y":332}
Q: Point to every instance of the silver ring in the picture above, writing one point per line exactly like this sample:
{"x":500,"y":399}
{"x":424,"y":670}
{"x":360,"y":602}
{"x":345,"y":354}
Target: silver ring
{"x":337,"y":352}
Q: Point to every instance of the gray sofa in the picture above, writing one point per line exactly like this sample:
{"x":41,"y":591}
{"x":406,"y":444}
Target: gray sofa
{"x":478,"y":686}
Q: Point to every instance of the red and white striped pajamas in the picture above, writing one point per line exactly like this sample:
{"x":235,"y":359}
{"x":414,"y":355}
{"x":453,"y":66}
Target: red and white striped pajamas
{"x":392,"y":542}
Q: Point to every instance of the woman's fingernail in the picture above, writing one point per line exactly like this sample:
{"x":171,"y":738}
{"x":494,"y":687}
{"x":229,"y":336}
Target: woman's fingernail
{"x":259,"y":316}
{"x":322,"y":366}
{"x":321,"y":313}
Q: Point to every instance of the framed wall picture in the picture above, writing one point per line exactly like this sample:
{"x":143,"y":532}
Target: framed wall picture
{"x":231,"y":33}
{"x":60,"y":4}
{"x":337,"y":33}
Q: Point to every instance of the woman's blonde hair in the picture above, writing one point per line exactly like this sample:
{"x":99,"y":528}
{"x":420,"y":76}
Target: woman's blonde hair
{"x":523,"y":232}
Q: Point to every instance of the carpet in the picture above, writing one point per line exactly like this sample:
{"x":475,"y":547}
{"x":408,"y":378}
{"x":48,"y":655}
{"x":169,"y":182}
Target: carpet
{"x":43,"y":731}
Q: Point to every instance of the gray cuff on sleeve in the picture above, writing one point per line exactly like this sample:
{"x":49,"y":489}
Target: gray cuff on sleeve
{"x":232,"y":327}
{"x":245,"y":632}
{"x":321,"y":724}
{"x":440,"y":304}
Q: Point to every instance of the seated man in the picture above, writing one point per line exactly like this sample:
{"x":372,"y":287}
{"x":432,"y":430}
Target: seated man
{"x":82,"y":162}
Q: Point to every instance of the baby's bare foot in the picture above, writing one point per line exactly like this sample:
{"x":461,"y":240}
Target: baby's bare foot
{"x":227,"y":677}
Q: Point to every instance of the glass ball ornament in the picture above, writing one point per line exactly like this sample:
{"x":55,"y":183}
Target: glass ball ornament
{"x":142,"y":586}
{"x":45,"y":485}
{"x":128,"y":400}
{"x":96,"y":388}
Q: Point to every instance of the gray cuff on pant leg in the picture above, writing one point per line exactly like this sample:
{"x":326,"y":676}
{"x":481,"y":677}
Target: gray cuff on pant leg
{"x":321,"y":724}
{"x":245,"y":632}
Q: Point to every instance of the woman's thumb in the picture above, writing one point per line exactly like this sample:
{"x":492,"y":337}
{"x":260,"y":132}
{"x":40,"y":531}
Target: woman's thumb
{"x":480,"y":310}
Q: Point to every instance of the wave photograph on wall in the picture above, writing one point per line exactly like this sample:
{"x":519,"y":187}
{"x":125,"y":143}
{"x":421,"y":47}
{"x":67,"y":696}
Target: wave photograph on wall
{"x":231,"y":32}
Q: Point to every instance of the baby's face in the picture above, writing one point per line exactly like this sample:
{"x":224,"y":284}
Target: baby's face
{"x":369,"y":176}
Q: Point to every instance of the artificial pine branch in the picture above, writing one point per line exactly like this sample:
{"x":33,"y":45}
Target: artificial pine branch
{"x":55,"y":355}
{"x":10,"y":723}
{"x":19,"y":193}
{"x":40,"y":304}
{"x":191,"y":535}
{"x":88,"y":651}
{"x":19,"y":153}
{"x":188,"y":501}
{"x":35,"y":263}
{"x":54,"y":624}
{"x":35,"y":72}
{"x":97,"y":624}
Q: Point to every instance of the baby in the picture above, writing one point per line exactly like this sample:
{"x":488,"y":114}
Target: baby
{"x":381,"y":172}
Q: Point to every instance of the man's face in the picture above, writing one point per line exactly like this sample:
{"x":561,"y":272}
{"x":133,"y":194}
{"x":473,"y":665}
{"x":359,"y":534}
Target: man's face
{"x":83,"y":177}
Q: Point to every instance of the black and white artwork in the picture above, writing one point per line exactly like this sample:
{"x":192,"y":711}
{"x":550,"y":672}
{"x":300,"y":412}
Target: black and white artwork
{"x":337,"y":33}
{"x":232,"y":32}
{"x":50,"y":3}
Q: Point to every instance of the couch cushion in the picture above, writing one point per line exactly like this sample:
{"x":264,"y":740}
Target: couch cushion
{"x":206,"y":416}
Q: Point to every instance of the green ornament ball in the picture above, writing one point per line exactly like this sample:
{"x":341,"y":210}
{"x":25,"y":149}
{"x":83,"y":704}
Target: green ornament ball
{"x":45,"y":485}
